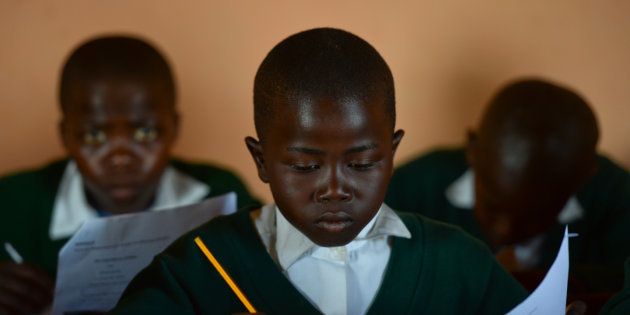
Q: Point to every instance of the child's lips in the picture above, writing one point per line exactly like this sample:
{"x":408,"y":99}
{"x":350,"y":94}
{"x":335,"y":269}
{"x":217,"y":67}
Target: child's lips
{"x":334,"y":222}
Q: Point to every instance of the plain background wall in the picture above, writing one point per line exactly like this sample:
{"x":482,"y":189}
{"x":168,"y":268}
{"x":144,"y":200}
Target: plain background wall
{"x":447,"y":57}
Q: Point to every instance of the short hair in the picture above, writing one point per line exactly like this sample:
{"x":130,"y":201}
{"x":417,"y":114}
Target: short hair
{"x":321,"y":62}
{"x":115,"y":57}
{"x":557,"y":116}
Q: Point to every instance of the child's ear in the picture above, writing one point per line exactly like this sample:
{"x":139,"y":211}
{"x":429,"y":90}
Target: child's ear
{"x":255,"y":149}
{"x":398,"y":135}
{"x":471,"y":144}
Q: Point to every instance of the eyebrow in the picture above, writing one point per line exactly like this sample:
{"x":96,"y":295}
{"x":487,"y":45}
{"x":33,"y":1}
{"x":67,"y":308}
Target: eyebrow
{"x":305,"y":150}
{"x":362,"y":148}
{"x":312,"y":151}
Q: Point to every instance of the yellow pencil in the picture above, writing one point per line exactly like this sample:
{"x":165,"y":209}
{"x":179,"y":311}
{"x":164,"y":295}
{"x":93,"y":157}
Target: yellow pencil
{"x":225,"y":276}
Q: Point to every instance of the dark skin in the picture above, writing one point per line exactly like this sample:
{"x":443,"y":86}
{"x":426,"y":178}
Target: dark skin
{"x":24,"y":289}
{"x":328,"y":162}
{"x":521,"y":187}
{"x":120,"y":132}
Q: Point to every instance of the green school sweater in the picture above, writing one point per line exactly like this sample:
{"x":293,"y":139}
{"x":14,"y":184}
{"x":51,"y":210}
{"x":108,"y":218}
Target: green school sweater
{"x":440,"y":270}
{"x":604,"y":238}
{"x":27,"y":201}
{"x":620,"y":303}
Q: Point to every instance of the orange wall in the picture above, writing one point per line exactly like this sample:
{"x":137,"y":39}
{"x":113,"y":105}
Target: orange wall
{"x":447,"y":58}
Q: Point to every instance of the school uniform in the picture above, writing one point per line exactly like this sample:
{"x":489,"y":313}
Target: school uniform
{"x":43,"y":208}
{"x":620,"y":303}
{"x":398,"y":264}
{"x":440,"y":185}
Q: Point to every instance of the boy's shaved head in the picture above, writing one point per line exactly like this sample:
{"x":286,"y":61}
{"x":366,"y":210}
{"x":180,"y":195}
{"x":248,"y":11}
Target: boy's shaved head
{"x":324,"y":113}
{"x":535,"y":147}
{"x":116,"y":58}
{"x":320,"y":63}
{"x":551,"y":116}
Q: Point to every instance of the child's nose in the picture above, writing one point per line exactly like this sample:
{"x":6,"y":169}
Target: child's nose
{"x":121,"y":156}
{"x":334,"y":187}
{"x":121,"y":159}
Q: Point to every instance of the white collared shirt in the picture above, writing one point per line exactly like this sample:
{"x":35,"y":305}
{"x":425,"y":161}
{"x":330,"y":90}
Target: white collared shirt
{"x":71,"y":208}
{"x":337,"y":280}
{"x":461,"y":193}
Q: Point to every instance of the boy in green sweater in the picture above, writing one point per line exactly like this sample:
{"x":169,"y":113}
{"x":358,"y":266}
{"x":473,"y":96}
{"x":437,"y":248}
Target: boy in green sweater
{"x":324,"y":112}
{"x":119,"y":123}
{"x":529,"y":169}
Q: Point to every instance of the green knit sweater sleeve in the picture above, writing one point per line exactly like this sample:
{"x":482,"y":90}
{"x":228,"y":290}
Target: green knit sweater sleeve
{"x":160,"y":293}
{"x":496,"y":291}
{"x":606,"y":200}
{"x":181,"y":280}
{"x":459,"y":275}
{"x":501,"y":292}
{"x":620,"y":303}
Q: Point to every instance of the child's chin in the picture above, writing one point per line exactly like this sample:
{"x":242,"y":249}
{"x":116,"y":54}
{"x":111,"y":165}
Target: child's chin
{"x":334,"y":240}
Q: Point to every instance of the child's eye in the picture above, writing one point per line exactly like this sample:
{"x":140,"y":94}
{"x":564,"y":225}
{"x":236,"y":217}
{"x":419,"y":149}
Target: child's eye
{"x":145,"y":134}
{"x":95,"y":137}
{"x":362,"y":166}
{"x":305,"y":168}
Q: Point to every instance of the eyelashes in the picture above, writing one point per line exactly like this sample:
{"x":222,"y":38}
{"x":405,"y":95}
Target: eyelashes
{"x":308,"y":168}
{"x":304,"y":168}
{"x":362,"y":166}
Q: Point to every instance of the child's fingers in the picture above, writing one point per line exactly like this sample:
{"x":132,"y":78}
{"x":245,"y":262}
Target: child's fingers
{"x":23,"y":289}
{"x":27,"y":274}
{"x":13,"y":303}
{"x":16,"y":292}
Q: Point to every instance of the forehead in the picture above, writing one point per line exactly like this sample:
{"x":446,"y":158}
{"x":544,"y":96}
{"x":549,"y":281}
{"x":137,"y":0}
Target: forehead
{"x":117,"y":97}
{"x":309,"y":116}
{"x":311,"y":112}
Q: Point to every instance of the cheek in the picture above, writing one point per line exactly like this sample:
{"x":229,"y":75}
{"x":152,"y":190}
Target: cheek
{"x":289,"y":186}
{"x":153,"y":158}
{"x":372,"y":184}
{"x":89,"y":161}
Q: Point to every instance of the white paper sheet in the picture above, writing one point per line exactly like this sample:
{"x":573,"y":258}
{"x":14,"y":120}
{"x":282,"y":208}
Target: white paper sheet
{"x":99,"y":261}
{"x":550,"y":297}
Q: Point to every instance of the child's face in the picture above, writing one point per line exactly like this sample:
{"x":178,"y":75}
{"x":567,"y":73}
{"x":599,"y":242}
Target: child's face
{"x":328,"y":163}
{"x":120,"y":133}
{"x":518,"y":193}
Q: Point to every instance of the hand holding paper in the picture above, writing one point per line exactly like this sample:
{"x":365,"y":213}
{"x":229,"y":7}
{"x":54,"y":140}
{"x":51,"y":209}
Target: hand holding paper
{"x":24,"y":289}
{"x":99,"y":261}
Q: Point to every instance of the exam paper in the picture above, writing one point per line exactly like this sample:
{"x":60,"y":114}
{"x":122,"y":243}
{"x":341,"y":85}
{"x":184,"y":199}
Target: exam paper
{"x":550,"y":297}
{"x":99,"y":261}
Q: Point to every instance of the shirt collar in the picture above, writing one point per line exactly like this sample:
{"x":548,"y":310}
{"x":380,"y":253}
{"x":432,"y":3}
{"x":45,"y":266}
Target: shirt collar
{"x":71,"y":208}
{"x":461,"y":193}
{"x":289,"y":244}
